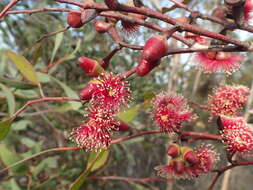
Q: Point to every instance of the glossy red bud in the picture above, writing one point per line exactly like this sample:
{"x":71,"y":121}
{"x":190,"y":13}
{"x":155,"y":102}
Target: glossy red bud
{"x":144,"y":66}
{"x":101,"y":26}
{"x":173,"y":150}
{"x":191,"y":157}
{"x":74,"y":20}
{"x":90,"y":66}
{"x":88,"y":90}
{"x":122,"y":126}
{"x":178,"y":166}
{"x":154,"y":48}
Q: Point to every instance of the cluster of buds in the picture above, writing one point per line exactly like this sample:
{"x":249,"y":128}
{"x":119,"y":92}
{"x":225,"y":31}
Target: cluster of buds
{"x":185,"y":163}
{"x":227,"y":99}
{"x":107,"y":94}
{"x":170,"y":111}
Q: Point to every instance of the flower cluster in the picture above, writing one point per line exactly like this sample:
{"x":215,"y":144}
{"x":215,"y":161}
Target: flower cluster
{"x":170,"y":110}
{"x":227,"y":99}
{"x":109,"y":94}
{"x":211,"y":62}
{"x":181,"y":167}
{"x":237,"y":134}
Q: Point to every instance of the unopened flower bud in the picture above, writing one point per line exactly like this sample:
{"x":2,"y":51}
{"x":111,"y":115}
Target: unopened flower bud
{"x":178,"y":166}
{"x":173,"y":150}
{"x":74,"y":20}
{"x":144,"y":66}
{"x":90,"y":66}
{"x":155,"y":48}
{"x":101,"y":26}
{"x":87,"y":92}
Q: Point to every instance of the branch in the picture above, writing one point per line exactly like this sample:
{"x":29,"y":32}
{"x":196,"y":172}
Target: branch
{"x":9,"y":6}
{"x":222,"y":170}
{"x":183,"y":133}
{"x":130,"y":179}
{"x":45,"y":99}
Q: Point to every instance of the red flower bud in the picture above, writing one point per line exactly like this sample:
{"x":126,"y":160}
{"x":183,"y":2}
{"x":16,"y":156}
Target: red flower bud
{"x":173,"y":150}
{"x":88,"y":90}
{"x":178,"y":166}
{"x":91,"y":67}
{"x":122,"y":126}
{"x":144,"y":66}
{"x":74,"y":20}
{"x":154,"y":48}
{"x":101,"y":26}
{"x":191,"y":157}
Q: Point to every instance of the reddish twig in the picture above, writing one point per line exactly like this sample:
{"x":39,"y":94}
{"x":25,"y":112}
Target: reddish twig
{"x":8,"y":7}
{"x":181,"y":5}
{"x":52,"y":34}
{"x":183,"y":133}
{"x":38,"y":154}
{"x":45,"y":99}
{"x":127,"y":74}
{"x":130,"y":179}
{"x":222,"y":170}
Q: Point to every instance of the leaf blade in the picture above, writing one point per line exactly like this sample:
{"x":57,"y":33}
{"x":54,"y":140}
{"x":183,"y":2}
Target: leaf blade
{"x":23,"y":65}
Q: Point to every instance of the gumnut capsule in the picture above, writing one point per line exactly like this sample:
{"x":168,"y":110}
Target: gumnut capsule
{"x":90,"y":66}
{"x":178,"y":166}
{"x":101,"y":26}
{"x":144,"y":66}
{"x":173,"y":150}
{"x":88,"y":90}
{"x":154,"y":48}
{"x":74,"y":20}
{"x":189,"y":155}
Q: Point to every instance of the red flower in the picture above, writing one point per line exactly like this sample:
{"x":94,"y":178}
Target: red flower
{"x":237,"y":135}
{"x":181,"y":170}
{"x":248,"y":9}
{"x":218,"y":62}
{"x":175,"y":169}
{"x":102,"y":117}
{"x":91,"y":136}
{"x":227,"y":100}
{"x":110,"y":92}
{"x":170,"y":110}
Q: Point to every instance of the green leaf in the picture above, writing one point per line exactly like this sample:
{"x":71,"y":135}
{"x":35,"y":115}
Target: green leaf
{"x":129,"y":114}
{"x":17,"y":84}
{"x":58,"y":41}
{"x":66,"y":57}
{"x":4,"y":128}
{"x":8,"y":157}
{"x":23,"y":65}
{"x":70,"y":93}
{"x":80,"y":180}
{"x":103,"y":157}
{"x":43,"y":78}
{"x":10,"y":99}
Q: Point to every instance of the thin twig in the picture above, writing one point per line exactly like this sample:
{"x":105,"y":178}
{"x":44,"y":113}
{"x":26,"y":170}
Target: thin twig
{"x":52,"y":34}
{"x":9,"y":6}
